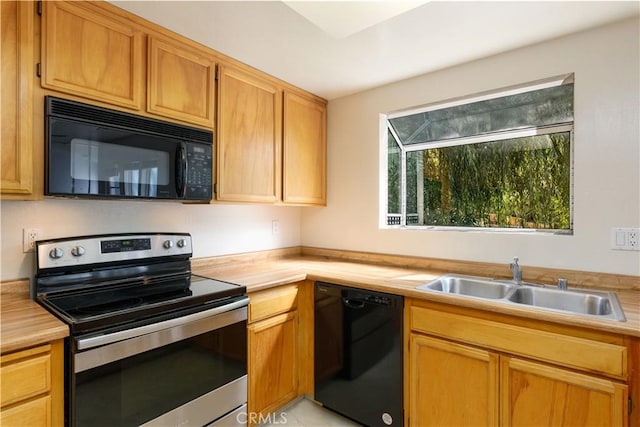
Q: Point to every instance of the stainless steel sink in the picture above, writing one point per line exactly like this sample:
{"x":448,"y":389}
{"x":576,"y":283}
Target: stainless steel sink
{"x":478,"y":287}
{"x":603,"y":305}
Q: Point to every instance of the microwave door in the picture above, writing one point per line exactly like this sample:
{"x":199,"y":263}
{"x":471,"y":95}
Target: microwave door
{"x":97,"y":161}
{"x":84,"y":166}
{"x":124,"y":170}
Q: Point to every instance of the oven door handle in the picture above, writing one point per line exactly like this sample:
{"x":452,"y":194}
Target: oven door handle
{"x":109,"y":348}
{"x":100,"y":340}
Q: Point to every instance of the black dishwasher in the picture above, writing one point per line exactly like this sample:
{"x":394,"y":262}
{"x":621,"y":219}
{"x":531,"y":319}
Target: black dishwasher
{"x":358,"y":353}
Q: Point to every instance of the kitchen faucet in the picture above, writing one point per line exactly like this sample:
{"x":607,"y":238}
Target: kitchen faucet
{"x":516,"y":270}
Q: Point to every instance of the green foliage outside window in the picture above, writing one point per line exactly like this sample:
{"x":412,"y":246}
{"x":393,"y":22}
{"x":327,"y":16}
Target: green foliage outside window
{"x":523,"y":182}
{"x":458,"y":174}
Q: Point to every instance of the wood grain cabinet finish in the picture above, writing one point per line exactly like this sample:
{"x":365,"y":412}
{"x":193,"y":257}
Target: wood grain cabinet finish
{"x":273,"y":344}
{"x":249,"y":135}
{"x":455,"y":385}
{"x":271,"y":142}
{"x":16,"y":90}
{"x":304,"y":151}
{"x":270,"y":302}
{"x":32,"y":386}
{"x":541,"y":395}
{"x":471,"y":364}
{"x":272,"y":363}
{"x":180,"y":83}
{"x":90,"y":53}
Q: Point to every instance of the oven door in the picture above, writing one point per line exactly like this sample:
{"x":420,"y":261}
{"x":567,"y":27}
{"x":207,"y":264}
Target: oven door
{"x":185,"y":371}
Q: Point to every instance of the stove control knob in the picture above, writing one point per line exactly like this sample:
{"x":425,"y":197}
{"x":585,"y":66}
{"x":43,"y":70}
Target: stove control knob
{"x":77,"y":251}
{"x":182,"y":243}
{"x":56,"y":253}
{"x":167,"y":244}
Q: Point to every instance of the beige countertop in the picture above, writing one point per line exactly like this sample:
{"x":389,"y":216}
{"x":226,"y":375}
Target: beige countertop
{"x":402,"y":281}
{"x":24,"y":323}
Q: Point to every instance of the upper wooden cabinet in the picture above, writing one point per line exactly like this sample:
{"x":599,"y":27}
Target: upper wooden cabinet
{"x":180,"y":82}
{"x":271,"y":137}
{"x":304,"y":151}
{"x":88,"y":53}
{"x":271,"y":142}
{"x":16,"y":90}
{"x":249,"y":135}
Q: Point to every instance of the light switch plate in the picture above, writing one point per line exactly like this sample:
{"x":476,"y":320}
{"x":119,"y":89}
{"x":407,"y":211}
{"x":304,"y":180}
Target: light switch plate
{"x":625,"y":239}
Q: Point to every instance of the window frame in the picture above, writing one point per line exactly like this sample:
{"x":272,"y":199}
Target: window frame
{"x":386,"y":128}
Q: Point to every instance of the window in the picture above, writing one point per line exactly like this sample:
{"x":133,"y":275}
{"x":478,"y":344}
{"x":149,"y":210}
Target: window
{"x":496,"y":161}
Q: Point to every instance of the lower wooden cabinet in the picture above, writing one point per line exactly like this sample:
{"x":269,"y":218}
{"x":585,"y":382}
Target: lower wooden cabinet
{"x":452,"y":384}
{"x":462,"y":371}
{"x":32,"y":386}
{"x":541,"y":395}
{"x":273,"y":357}
{"x":280,"y":338}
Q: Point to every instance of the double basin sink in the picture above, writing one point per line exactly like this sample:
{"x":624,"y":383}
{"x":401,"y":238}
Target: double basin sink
{"x":603,"y":305}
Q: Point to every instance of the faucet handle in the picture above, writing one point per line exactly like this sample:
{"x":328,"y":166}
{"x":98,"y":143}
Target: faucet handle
{"x":562,"y":284}
{"x":515,"y":260}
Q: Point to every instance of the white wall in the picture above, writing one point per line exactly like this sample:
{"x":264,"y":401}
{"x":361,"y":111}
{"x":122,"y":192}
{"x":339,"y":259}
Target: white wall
{"x":607,"y":156}
{"x":216,"y":229}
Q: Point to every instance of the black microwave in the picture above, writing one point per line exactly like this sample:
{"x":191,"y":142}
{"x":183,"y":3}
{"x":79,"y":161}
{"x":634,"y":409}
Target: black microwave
{"x":96,"y":152}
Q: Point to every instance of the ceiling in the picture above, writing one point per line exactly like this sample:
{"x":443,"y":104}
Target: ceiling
{"x":336,"y":48}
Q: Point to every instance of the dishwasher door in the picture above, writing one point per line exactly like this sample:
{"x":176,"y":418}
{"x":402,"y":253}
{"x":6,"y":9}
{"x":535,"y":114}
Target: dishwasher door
{"x":358,"y":354}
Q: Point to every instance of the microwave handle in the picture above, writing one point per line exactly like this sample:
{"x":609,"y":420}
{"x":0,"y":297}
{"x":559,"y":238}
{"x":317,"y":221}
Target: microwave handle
{"x":181,"y":170}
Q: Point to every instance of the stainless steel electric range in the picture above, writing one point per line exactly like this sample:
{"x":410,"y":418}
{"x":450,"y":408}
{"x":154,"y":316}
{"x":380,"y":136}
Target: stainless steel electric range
{"x":150,"y":343}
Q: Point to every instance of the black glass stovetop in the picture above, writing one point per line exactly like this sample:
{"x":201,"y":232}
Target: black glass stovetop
{"x":88,"y":310}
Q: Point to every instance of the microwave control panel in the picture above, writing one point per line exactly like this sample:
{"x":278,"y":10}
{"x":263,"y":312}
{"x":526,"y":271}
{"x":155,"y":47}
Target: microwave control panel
{"x":199,"y":171}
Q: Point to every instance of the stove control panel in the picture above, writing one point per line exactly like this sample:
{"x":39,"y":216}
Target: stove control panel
{"x":77,"y":251}
{"x":125,"y":245}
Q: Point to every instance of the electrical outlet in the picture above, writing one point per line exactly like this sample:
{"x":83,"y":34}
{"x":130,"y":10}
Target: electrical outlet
{"x":633,"y":239}
{"x":29,"y":237}
{"x":625,"y":239}
{"x":275,"y":227}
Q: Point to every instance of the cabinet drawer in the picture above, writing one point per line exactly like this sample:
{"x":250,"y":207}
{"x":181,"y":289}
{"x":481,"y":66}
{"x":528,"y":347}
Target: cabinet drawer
{"x":25,"y":374}
{"x":35,"y":412}
{"x":564,"y":350}
{"x":274,"y":301}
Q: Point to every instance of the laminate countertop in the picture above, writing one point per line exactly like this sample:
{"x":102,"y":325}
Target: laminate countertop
{"x":23,"y":322}
{"x":402,"y":281}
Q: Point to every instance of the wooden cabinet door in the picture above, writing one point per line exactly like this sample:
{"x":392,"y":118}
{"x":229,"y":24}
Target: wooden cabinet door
{"x":180,"y":83}
{"x":32,"y":386}
{"x":249,"y":138}
{"x":451,"y":384}
{"x":16,"y":90}
{"x":88,"y":53}
{"x":304,"y":151}
{"x":35,"y":412}
{"x":534,"y":394}
{"x":272,"y":363}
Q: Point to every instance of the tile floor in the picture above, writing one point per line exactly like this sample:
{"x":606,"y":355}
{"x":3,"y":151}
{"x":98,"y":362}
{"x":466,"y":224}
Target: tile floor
{"x":305,"y":413}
